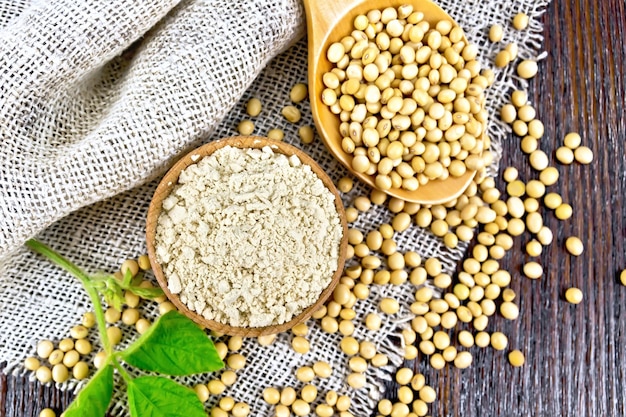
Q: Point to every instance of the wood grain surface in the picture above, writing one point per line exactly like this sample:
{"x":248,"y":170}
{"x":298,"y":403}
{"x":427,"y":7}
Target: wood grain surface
{"x":575,"y":355}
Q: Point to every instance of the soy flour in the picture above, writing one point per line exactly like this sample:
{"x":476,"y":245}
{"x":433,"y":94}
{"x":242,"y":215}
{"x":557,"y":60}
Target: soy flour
{"x":248,"y":237}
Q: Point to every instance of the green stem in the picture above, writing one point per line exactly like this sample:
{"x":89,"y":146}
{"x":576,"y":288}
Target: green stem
{"x":125,"y":375}
{"x":46,"y":251}
{"x":99,"y":313}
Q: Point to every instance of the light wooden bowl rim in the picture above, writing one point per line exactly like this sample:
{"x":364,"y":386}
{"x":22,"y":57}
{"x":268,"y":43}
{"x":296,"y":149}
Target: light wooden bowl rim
{"x":171,"y":179}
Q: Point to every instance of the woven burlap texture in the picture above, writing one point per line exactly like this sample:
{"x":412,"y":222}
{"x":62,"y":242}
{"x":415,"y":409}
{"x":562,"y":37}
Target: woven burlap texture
{"x":96,"y":101}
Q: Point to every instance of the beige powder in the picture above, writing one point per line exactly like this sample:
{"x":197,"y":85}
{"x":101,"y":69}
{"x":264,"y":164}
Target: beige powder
{"x":248,"y":237}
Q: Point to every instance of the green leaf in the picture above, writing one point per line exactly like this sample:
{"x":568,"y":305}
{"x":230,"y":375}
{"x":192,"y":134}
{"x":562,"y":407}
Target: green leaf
{"x":114,"y":297}
{"x":94,"y":398}
{"x":174,"y":345}
{"x":154,"y":396}
{"x":136,"y":280}
{"x":147,"y":293}
{"x":128,"y":276}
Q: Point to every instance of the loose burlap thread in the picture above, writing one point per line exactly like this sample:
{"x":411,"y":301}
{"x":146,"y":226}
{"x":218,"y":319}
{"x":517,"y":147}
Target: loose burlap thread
{"x":96,"y":101}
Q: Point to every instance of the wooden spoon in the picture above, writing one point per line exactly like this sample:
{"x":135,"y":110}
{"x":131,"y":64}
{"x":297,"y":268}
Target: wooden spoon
{"x":170,"y":181}
{"x":328,"y":22}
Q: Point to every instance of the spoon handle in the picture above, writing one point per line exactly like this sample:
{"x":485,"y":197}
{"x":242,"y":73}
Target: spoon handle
{"x":322,"y":16}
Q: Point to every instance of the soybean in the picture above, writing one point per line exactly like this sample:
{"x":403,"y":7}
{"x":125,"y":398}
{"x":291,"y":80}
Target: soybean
{"x":291,"y":113}
{"x":563,"y":212}
{"x":574,"y":295}
{"x":300,"y":345}
{"x":228,"y":377}
{"x":463,"y":360}
{"x":549,"y":176}
{"x":245,"y":127}
{"x":373,"y":321}
{"x":80,"y":371}
{"x":356,"y":380}
{"x":60,"y":373}
{"x":305,"y":374}
{"x":499,"y":341}
{"x":534,"y":248}
{"x":538,"y":160}
{"x":527,"y":69}
{"x":322,"y":369}
{"x":300,"y":407}
{"x":509,"y":310}
{"x":282,"y":411}
{"x":574,"y":245}
{"x":349,"y":346}
{"x":71,"y":358}
{"x":79,"y":332}
{"x":324,"y":410}
{"x":115,"y":335}
{"x":404,"y":376}
{"x":202,"y":392}
{"x":276,"y":134}
{"x":466,"y":339}
{"x":44,"y":349}
{"x":287,"y":396}
{"x":565,"y":155}
{"x":516,"y":358}
{"x":129,"y":265}
{"x":31,"y":363}
{"x":227,"y":403}
{"x":43,"y":374}
{"x":240,"y":410}
{"x":253,"y":107}
{"x":271,"y":395}
{"x":503,"y":58}
{"x":520,"y":21}
{"x":552,"y":200}
{"x":343,"y":403}
{"x":236,"y":361}
{"x":142,"y":325}
{"x":130,"y":316}
{"x":56,"y":357}
{"x":298,"y":93}
{"x":89,"y":319}
{"x":519,"y":98}
{"x":495,"y":33}
{"x":307,"y":134}
{"x":572,"y":140}
{"x":99,"y":359}
{"x":389,"y":306}
{"x":532,"y":270}
{"x":583,"y":155}
{"x":427,"y":394}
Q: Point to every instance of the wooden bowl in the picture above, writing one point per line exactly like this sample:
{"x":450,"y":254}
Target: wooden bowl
{"x":328,"y":22}
{"x":170,"y":180}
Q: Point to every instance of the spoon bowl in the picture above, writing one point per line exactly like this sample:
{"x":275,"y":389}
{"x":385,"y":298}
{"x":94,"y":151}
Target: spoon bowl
{"x":327,"y":22}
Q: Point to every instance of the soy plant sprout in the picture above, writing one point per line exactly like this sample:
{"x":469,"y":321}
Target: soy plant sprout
{"x":174,"y":346}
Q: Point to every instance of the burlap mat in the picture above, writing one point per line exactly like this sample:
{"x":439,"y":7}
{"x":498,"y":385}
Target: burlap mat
{"x":97,"y":99}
